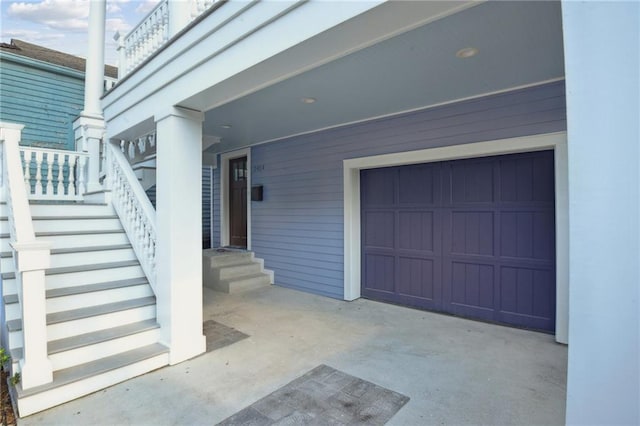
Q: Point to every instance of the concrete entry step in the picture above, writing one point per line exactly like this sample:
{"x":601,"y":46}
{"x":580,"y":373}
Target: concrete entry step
{"x":233,"y":271}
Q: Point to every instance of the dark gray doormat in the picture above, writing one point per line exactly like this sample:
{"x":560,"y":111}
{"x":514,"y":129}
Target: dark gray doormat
{"x":323,"y":396}
{"x":219,"y":335}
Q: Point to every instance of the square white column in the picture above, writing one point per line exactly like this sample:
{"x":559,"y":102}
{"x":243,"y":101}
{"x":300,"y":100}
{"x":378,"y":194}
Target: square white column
{"x":179,"y":232}
{"x":602,"y":47}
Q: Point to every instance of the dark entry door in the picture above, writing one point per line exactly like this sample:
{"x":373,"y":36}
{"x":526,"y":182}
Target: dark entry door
{"x":238,"y":202}
{"x":475,"y":238}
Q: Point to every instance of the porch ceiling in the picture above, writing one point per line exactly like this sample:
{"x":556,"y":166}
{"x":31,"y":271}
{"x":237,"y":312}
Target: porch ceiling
{"x":519,"y":43}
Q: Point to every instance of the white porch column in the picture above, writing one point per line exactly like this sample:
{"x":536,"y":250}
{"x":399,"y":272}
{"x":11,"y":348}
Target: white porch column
{"x":91,"y":122}
{"x":602,"y":76}
{"x":179,"y":15}
{"x":179,"y":231}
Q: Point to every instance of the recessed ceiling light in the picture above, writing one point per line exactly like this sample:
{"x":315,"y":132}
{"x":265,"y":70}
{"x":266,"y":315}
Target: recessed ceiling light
{"x":226,"y":126}
{"x":467,"y":52}
{"x":308,"y":100}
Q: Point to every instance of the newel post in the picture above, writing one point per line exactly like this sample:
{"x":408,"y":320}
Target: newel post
{"x":179,"y":15}
{"x":122,"y":54}
{"x":32,"y":258}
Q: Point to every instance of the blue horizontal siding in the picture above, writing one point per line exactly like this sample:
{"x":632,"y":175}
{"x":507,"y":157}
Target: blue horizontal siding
{"x":216,"y":208}
{"x":298,"y":227}
{"x":45,"y":102}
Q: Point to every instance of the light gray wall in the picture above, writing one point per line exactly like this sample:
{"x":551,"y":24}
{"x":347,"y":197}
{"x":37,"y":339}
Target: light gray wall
{"x":601,"y":53}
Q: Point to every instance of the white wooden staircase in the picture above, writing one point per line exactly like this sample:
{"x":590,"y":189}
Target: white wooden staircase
{"x":100,"y":309}
{"x":77,"y":276}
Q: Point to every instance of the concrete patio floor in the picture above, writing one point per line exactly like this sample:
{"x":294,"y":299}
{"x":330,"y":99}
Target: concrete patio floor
{"x":454,"y":371}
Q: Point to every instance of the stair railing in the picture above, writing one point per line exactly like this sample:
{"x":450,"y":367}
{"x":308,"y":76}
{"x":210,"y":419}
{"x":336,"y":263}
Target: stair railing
{"x":31,"y":257}
{"x":134,"y":209}
{"x":54,"y":174}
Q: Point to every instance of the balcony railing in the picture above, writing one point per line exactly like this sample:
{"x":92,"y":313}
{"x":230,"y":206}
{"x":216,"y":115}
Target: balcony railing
{"x":162,"y":23}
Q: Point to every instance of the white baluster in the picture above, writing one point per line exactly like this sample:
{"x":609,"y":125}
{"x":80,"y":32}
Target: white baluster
{"x":38,"y":188}
{"x":27,"y":171}
{"x":132,"y":149}
{"x":72,"y":189}
{"x":82,"y":163}
{"x":50,"y":173}
{"x":60,"y":184}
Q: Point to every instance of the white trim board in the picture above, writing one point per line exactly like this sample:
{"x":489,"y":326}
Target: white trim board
{"x":555,"y":141}
{"x":224,"y":194}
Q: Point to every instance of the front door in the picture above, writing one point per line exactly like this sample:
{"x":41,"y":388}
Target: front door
{"x":238,"y":202}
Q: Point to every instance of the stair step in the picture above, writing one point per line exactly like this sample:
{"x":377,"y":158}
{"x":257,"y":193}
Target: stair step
{"x":87,"y":217}
{"x":82,"y":217}
{"x":80,"y":268}
{"x":63,"y":203}
{"x":66,"y":233}
{"x":70,"y":250}
{"x":80,"y":289}
{"x":68,"y":343}
{"x":94,"y":368}
{"x":74,"y":342}
{"x":89,"y":232}
{"x":238,"y":270}
{"x":76,"y":314}
{"x":90,"y":288}
{"x":244,"y":283}
{"x":216,"y":259}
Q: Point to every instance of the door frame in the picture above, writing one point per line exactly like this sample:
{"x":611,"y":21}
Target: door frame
{"x":554,"y":141}
{"x":224,"y":194}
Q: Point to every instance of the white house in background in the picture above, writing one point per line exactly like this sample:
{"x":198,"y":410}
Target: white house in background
{"x":476,"y":158}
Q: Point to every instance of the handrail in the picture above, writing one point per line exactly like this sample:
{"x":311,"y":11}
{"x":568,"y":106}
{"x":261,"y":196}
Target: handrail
{"x":134,"y":209}
{"x":20,"y":224}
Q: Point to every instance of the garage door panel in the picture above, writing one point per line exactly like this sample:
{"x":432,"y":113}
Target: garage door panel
{"x":419,"y":184}
{"x":527,"y":178}
{"x":416,"y":230}
{"x":381,"y":188}
{"x":416,"y":277}
{"x":379,"y":272}
{"x":472,"y":232}
{"x":472,"y":285}
{"x":472,"y":181}
{"x":527,"y":292}
{"x":379,"y":229}
{"x":527,"y":234}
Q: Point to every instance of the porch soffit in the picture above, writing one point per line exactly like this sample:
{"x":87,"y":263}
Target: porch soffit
{"x":519,"y":43}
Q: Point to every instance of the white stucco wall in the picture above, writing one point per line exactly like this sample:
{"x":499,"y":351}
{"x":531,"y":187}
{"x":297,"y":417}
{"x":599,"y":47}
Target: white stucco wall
{"x":601,"y":59}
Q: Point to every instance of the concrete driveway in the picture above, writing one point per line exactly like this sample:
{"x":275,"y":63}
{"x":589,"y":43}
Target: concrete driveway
{"x":454,"y":371}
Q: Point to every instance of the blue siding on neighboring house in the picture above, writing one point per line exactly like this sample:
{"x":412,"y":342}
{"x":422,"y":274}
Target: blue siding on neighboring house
{"x":298,"y":228}
{"x":45,"y":98}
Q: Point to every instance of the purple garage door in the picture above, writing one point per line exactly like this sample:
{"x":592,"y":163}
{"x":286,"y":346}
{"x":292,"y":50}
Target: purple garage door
{"x":474,"y":238}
